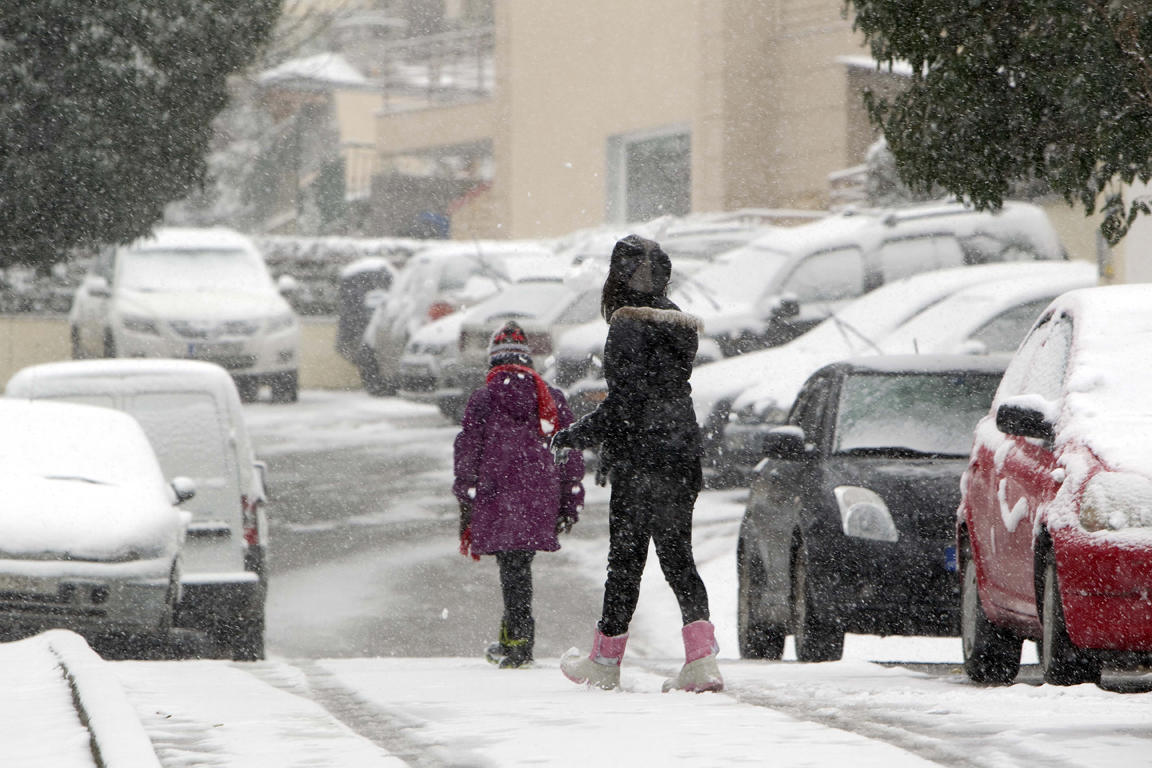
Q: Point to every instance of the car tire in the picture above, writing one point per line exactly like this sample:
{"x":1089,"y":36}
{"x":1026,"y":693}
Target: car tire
{"x":1061,"y":662}
{"x":285,"y":387}
{"x":248,"y":387}
{"x":991,"y":654}
{"x":757,"y":639}
{"x":369,"y":370}
{"x":816,"y":637}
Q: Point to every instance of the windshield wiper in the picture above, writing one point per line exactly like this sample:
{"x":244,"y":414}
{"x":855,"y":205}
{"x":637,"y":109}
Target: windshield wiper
{"x":898,"y":451}
{"x":75,"y":478}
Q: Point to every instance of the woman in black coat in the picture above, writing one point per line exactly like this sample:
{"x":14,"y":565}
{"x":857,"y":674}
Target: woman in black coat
{"x":649,"y":443}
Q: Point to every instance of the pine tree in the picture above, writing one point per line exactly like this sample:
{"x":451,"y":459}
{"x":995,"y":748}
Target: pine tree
{"x":1057,"y":91}
{"x":106,"y":110}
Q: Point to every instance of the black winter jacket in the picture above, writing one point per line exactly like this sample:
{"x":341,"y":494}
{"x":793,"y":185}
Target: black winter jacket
{"x":646,"y":423}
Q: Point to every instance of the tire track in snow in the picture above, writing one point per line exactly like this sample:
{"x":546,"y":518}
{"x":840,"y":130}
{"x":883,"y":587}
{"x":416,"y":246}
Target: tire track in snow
{"x":390,"y":731}
{"x":962,"y":746}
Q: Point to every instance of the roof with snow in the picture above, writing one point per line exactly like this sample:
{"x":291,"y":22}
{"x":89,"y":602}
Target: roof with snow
{"x":325,"y":68}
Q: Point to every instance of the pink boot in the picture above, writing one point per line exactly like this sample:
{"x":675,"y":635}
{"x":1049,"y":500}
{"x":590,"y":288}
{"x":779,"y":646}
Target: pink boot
{"x":700,"y":672}
{"x":601,"y":667}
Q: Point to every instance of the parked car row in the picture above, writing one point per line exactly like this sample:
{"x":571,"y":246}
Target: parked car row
{"x":1003,"y":498}
{"x":96,"y":455}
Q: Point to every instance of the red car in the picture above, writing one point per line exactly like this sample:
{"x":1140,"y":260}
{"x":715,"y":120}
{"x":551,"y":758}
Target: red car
{"x":1054,"y":528}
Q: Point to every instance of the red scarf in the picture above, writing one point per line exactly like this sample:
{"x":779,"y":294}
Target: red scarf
{"x":545,"y":405}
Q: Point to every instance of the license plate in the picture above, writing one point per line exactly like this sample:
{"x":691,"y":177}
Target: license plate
{"x":215,"y":349}
{"x":27,"y":585}
{"x":951,"y":564}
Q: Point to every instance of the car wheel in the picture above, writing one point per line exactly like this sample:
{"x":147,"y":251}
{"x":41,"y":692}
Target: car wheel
{"x":109,"y":344}
{"x":757,"y":639}
{"x":1061,"y":661}
{"x":285,"y":387}
{"x":369,"y":370}
{"x":991,"y":654}
{"x":248,"y":387}
{"x":817,"y":638}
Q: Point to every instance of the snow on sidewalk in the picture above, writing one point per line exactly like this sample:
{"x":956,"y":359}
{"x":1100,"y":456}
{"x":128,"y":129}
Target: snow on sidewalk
{"x":466,"y":712}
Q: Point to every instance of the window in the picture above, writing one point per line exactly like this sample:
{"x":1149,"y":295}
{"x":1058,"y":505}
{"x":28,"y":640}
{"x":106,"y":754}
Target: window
{"x":649,"y":175}
{"x":912,"y":255}
{"x":1004,"y":332}
{"x":827,"y":276}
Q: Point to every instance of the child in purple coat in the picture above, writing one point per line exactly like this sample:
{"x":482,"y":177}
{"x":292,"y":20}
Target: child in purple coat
{"x":514,"y":499}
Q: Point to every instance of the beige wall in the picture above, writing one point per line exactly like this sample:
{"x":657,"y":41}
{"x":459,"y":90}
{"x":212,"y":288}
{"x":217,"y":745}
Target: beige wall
{"x":31,"y":339}
{"x":757,"y":83}
{"x":569,"y":76}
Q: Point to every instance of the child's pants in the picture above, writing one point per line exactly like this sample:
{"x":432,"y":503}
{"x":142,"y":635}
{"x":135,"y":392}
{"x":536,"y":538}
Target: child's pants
{"x":516,"y":584}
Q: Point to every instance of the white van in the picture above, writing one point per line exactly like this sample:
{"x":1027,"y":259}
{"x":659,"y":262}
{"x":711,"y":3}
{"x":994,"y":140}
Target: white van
{"x":191,"y":412}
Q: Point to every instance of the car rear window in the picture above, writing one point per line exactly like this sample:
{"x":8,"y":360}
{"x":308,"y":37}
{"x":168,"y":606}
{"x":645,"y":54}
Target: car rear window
{"x":913,"y":413}
{"x":190,"y":440}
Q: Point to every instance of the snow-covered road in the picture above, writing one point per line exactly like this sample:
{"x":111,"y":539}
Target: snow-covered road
{"x":890,"y":702}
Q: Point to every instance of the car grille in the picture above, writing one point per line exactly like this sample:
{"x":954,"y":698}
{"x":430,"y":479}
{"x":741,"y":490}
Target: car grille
{"x":192,"y":329}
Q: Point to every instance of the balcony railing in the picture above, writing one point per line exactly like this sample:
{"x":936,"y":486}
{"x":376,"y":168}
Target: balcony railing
{"x":438,"y":70}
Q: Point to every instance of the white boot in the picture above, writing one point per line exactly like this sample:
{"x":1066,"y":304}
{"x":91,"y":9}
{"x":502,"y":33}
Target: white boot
{"x":700,"y":672}
{"x":601,"y":667}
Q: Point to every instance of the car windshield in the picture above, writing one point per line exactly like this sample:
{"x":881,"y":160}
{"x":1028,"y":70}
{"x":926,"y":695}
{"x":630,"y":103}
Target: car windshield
{"x":188,"y":269}
{"x":912,"y":413}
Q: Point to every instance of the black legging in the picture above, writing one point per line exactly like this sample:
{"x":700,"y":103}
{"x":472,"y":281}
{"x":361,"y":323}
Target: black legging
{"x":659,"y":508}
{"x":516,"y":584}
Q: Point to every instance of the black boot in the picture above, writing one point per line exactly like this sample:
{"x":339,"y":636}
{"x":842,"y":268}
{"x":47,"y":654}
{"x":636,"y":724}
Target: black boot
{"x":520,"y":648}
{"x":496,"y":652}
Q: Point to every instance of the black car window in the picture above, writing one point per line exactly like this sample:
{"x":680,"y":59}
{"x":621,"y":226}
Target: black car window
{"x":917,"y":413}
{"x":810,"y":410}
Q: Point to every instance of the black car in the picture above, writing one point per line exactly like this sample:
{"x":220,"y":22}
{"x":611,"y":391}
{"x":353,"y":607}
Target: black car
{"x":851,"y":515}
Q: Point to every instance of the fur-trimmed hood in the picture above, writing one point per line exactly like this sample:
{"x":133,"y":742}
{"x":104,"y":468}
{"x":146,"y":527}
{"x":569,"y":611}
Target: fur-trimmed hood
{"x":654,"y":315}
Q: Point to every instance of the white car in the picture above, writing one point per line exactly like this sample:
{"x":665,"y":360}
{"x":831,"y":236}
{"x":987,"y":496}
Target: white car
{"x":443,"y":278}
{"x":200,"y":294}
{"x":90,"y":535}
{"x":191,"y":413}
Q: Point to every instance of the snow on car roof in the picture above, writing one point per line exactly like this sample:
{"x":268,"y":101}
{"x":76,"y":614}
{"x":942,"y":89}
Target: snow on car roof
{"x":913,"y":364}
{"x":46,"y":379}
{"x":214,"y":238}
{"x":1108,"y":405}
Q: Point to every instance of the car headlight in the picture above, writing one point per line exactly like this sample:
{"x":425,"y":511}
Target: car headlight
{"x":864,"y":515}
{"x":138,"y":324}
{"x":280,"y":322}
{"x":1115,"y":500}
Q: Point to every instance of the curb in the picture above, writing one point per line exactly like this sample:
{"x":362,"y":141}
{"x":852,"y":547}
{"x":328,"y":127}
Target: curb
{"x":118,"y":736}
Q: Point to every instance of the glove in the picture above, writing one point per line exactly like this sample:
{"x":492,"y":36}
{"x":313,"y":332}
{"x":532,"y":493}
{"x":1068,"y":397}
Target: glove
{"x":561,"y":441}
{"x":465,"y":516}
{"x":564,"y":523}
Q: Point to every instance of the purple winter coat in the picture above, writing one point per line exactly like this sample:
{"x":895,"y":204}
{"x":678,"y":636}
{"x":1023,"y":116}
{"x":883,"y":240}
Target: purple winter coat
{"x":501,"y":458}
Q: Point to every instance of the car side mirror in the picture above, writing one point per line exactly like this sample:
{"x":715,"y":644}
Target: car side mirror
{"x":98,"y":287}
{"x":1015,"y":417}
{"x":784,"y":444}
{"x":184,"y":488}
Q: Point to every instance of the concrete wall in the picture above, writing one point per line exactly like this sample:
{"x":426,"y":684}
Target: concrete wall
{"x":31,"y":339}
